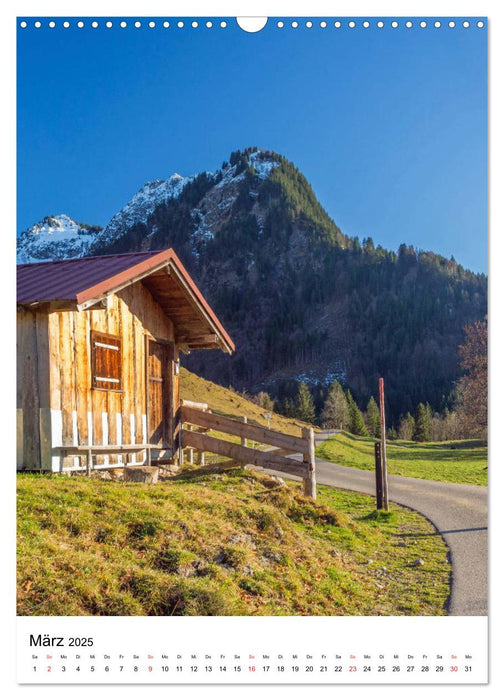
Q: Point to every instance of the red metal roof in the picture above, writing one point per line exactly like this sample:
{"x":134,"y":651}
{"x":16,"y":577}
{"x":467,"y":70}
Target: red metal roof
{"x":65,"y":279}
{"x":83,"y":280}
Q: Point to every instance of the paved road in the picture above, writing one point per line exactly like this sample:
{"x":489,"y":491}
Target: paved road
{"x":458,"y":511}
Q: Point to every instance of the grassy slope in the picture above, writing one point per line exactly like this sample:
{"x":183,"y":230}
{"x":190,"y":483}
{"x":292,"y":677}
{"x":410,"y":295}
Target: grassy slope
{"x":229,"y":543}
{"x":459,"y":461}
{"x":232,"y":405}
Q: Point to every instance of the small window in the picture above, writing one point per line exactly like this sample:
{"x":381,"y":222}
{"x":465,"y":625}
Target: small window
{"x":105,"y":361}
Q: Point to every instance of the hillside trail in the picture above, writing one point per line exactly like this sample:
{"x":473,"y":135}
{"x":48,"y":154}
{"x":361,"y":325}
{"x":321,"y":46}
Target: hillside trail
{"x":458,"y":512}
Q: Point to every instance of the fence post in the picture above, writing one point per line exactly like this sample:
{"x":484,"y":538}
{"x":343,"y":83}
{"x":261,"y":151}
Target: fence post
{"x":181,"y":449}
{"x":244,"y":440}
{"x":379,"y":476}
{"x":191,"y":450}
{"x":383,"y":445}
{"x":309,"y":481}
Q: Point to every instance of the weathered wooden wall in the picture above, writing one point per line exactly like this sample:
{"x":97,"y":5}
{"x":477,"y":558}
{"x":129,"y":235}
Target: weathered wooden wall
{"x":32,"y":388}
{"x":80,"y":415}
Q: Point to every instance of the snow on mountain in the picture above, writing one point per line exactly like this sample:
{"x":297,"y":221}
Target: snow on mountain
{"x":142,"y":204}
{"x":55,"y":238}
{"x":216,"y":205}
{"x":60,"y":237}
{"x":263,"y":164}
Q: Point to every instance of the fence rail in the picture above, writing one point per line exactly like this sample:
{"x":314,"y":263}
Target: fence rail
{"x":267,"y":436}
{"x":288,"y":444}
{"x":246,"y":455}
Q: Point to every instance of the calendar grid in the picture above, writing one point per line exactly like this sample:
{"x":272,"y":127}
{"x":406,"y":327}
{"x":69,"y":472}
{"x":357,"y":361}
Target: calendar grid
{"x":305,"y":650}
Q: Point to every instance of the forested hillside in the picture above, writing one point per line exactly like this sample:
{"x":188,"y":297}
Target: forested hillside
{"x":301,"y":300}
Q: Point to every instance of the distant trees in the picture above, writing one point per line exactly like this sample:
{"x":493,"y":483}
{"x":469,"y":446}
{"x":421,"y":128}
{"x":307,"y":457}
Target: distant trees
{"x":335,"y":413}
{"x":339,"y":412}
{"x":464,"y":412}
{"x":288,"y":408}
{"x":423,"y":419}
{"x":373,"y":418}
{"x":262,"y":399}
{"x":305,"y":409}
{"x":473,"y":386}
{"x":356,"y":423}
{"x":406,"y":427}
{"x":392,"y":433}
{"x":446,"y":426}
{"x":339,"y":409}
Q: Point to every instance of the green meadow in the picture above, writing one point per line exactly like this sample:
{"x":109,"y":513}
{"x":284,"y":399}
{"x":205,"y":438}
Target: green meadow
{"x":457,"y":461}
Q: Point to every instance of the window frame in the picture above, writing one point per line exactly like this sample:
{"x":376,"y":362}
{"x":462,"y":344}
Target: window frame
{"x":97,"y":339}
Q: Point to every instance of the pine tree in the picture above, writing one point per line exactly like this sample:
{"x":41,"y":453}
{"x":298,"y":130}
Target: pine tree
{"x":356,"y":423}
{"x":263,"y":399}
{"x":422,"y":423}
{"x":411,"y":423}
{"x":305,"y":409}
{"x":267,"y":403}
{"x":335,"y":411}
{"x":288,"y":408}
{"x":429,"y":415}
{"x":373,"y":418}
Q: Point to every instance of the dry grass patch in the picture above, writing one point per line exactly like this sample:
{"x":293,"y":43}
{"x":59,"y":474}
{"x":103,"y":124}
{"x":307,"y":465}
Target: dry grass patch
{"x":232,"y":543}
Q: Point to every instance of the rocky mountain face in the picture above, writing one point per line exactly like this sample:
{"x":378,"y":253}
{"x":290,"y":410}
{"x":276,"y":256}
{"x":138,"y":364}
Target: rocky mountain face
{"x":140,"y":207}
{"x":55,"y":238}
{"x":301,"y":300}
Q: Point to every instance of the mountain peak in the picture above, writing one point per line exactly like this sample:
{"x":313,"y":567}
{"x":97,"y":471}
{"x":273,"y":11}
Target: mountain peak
{"x":55,"y":238}
{"x":142,"y":204}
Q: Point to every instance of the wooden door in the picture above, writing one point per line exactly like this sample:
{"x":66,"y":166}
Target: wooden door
{"x":159,"y":393}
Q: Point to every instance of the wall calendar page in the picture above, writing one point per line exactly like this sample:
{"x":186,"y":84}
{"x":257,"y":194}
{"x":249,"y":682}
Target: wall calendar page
{"x":252,"y":364}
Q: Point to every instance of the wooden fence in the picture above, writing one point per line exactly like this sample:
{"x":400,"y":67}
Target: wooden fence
{"x":288,"y":444}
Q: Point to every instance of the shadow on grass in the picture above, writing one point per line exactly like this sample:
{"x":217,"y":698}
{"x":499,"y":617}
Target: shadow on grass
{"x":448,"y":457}
{"x":379,"y":516}
{"x":442,"y":454}
{"x":219,"y":468}
{"x":438,"y":533}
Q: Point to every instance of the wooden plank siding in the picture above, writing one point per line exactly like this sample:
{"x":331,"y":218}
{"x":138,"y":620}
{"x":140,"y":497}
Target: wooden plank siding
{"x":82,"y":350}
{"x":28,"y":393}
{"x":127,"y":398}
{"x":140,"y":310}
{"x":59,"y":342}
{"x":66,"y":347}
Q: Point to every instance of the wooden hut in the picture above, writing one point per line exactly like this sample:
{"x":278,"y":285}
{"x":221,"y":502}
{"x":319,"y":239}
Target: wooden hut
{"x":98,"y":358}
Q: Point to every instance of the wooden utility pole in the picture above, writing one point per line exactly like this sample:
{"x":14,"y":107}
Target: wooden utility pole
{"x":383,"y":446}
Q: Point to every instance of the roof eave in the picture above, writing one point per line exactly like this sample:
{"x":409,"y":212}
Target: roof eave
{"x":89,"y":297}
{"x":167,"y":258}
{"x":53,"y":305}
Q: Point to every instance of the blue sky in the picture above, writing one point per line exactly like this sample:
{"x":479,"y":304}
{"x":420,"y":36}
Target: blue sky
{"x":388,"y":125}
